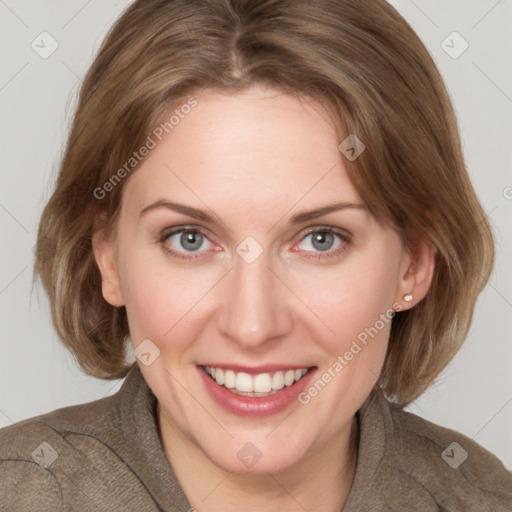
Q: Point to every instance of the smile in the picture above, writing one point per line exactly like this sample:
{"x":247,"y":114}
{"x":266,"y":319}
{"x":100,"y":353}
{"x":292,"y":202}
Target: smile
{"x":253,"y":392}
{"x":260,"y":384}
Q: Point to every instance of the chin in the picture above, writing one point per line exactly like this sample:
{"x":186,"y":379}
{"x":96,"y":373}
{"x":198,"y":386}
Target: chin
{"x":254,"y":454}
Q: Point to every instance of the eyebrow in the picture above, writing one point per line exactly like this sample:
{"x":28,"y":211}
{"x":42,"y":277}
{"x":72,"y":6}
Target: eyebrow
{"x":202,"y":215}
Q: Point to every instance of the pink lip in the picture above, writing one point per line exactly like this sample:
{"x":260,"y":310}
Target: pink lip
{"x":252,"y":405}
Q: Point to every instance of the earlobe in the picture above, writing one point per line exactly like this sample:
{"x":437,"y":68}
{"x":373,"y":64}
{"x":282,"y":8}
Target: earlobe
{"x":104,"y":254}
{"x":416,"y":275}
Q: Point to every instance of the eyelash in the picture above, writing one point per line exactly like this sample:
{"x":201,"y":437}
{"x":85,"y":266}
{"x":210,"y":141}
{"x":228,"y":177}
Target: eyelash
{"x":345,"y":238}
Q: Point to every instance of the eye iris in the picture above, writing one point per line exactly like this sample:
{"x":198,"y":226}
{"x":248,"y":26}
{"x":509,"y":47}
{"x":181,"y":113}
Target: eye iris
{"x":191,"y":240}
{"x":323,"y":241}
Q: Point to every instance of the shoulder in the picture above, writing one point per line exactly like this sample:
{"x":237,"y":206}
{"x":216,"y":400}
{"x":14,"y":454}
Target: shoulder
{"x":454,"y":469}
{"x":17,"y":440}
{"x":102,"y":455}
{"x":30,"y":469}
{"x":29,"y":449}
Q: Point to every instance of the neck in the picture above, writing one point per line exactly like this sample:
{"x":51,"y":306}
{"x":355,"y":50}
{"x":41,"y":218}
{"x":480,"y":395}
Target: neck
{"x":320,"y":481}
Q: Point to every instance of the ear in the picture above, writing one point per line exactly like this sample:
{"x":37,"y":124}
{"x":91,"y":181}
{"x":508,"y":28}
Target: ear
{"x":103,"y":247}
{"x":416,"y":272}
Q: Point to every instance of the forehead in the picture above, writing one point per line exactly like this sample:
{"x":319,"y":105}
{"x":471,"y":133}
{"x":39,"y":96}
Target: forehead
{"x":260,"y":148}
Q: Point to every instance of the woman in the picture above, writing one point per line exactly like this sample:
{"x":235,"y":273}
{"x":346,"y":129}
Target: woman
{"x":245,"y":199}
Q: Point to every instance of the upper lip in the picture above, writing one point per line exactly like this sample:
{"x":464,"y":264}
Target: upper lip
{"x":267,"y":368}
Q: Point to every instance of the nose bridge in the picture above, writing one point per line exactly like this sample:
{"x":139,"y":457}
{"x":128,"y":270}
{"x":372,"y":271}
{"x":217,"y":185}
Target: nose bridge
{"x":254,"y":309}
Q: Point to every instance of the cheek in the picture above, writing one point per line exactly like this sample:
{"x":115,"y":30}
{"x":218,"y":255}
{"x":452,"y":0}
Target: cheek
{"x":161,"y":300}
{"x":352,"y":300}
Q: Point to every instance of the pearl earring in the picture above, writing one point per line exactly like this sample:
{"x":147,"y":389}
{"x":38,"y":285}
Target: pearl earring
{"x":408,"y":297}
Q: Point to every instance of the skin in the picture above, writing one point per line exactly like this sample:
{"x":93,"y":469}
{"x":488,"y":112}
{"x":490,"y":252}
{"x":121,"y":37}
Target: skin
{"x":254,"y":160}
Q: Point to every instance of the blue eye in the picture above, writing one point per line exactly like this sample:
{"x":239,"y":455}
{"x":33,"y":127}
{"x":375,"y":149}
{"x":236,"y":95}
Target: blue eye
{"x":324,"y":242}
{"x":321,"y":240}
{"x":186,"y":240}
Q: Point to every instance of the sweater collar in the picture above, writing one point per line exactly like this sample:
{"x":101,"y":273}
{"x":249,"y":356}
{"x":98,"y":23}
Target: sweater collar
{"x":144,"y":451}
{"x":375,"y":430}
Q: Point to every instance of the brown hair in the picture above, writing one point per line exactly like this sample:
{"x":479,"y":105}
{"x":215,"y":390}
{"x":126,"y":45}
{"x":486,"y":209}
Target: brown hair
{"x":360,"y":58}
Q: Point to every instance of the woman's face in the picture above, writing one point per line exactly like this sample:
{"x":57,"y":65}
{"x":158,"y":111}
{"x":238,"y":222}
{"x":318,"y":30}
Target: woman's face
{"x":251,"y":276}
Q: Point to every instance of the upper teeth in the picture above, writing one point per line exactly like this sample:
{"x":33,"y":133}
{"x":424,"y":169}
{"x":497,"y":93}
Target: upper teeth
{"x":258,"y":383}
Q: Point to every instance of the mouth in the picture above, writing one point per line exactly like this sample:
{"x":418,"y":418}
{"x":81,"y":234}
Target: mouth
{"x":255,"y":392}
{"x":255,"y":384}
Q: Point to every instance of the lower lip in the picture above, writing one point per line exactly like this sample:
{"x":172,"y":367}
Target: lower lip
{"x":255,"y":405}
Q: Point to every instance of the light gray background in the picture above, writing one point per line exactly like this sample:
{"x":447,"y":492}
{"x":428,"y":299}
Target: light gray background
{"x":37,"y":97}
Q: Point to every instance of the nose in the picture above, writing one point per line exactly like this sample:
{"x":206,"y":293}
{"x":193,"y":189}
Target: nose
{"x":254,"y":307}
